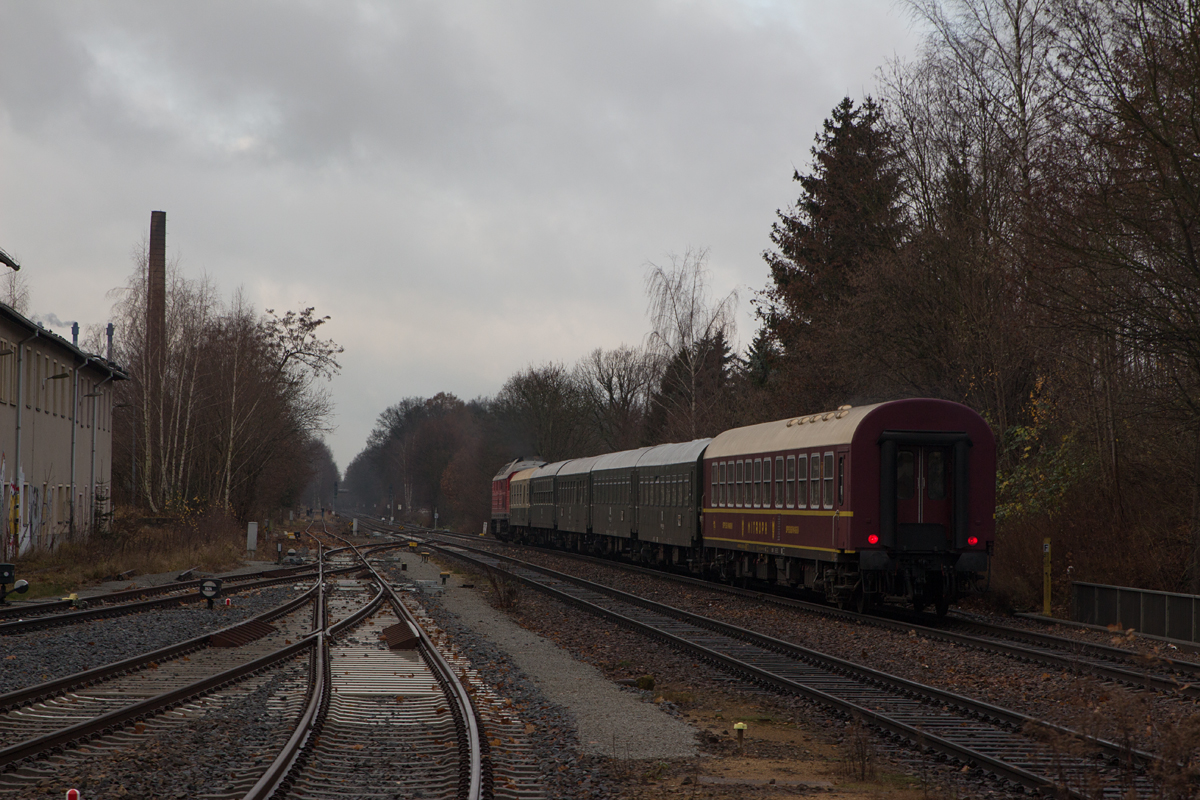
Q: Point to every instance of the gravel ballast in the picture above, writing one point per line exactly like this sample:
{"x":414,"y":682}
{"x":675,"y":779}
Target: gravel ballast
{"x":38,"y":656}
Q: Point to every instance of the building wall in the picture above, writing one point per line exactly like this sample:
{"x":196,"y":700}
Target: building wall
{"x":38,"y":499}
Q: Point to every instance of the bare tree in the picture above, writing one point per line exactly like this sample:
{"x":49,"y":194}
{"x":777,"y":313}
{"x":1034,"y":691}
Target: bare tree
{"x":689,"y":338}
{"x":548,"y":408}
{"x":617,"y":385}
{"x":15,"y":291}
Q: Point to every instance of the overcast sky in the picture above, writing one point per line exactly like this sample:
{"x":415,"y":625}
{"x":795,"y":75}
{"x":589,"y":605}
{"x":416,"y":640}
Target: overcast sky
{"x":466,"y":188}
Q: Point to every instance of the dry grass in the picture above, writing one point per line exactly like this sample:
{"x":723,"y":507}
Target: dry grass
{"x":212,"y":541}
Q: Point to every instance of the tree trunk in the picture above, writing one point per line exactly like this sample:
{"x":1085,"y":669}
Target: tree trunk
{"x":1194,"y":583}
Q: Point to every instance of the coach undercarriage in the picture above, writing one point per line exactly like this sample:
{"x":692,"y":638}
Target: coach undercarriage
{"x":923,"y":580}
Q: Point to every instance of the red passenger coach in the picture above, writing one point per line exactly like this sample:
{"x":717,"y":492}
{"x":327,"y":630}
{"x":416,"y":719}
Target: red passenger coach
{"x":894,"y":500}
{"x":499,"y":523}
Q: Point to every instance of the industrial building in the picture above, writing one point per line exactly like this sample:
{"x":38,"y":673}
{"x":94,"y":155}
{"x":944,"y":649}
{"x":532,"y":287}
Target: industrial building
{"x":56,"y":406}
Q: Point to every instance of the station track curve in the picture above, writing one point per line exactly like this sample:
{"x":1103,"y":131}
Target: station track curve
{"x":1013,"y":748}
{"x":1154,"y":672}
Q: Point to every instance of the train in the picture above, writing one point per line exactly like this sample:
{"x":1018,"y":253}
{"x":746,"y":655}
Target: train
{"x":886,"y":503}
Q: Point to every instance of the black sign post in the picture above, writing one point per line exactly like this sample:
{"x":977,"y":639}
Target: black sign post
{"x":210,"y":588}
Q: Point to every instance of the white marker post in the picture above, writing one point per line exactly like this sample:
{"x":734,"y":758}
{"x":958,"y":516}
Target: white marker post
{"x":252,"y":537}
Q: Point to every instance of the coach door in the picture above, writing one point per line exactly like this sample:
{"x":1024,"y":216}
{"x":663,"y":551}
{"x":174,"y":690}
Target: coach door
{"x":923,"y":497}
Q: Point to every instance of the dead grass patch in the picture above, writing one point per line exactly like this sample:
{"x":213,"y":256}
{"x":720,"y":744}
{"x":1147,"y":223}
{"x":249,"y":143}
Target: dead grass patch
{"x":212,"y":541}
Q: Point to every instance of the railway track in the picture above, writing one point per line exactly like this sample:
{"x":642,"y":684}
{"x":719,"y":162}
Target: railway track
{"x":1149,"y":671}
{"x":30,"y":610}
{"x":346,"y":713}
{"x":1018,"y":750}
{"x":386,"y":715}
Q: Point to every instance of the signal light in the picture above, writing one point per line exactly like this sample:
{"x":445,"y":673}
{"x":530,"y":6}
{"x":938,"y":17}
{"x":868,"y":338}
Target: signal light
{"x":873,"y":539}
{"x":972,"y":540}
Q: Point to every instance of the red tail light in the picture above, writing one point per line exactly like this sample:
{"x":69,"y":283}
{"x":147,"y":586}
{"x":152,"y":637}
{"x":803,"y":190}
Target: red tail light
{"x":972,"y":540}
{"x":873,"y":539}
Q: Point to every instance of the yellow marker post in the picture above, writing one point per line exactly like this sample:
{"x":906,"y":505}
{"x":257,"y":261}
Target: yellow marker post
{"x":1046,"y":577}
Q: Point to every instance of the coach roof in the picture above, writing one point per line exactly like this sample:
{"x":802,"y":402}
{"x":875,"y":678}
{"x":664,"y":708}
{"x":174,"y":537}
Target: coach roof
{"x":516,"y":466}
{"x":677,"y":453}
{"x":797,"y":433}
{"x":548,"y":470}
{"x":625,"y":459}
{"x":578,"y":466}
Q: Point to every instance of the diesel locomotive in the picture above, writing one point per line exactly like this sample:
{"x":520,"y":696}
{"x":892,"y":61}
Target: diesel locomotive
{"x":892,"y":502}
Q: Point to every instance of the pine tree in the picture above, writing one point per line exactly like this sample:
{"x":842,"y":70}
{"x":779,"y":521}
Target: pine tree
{"x":848,"y":214}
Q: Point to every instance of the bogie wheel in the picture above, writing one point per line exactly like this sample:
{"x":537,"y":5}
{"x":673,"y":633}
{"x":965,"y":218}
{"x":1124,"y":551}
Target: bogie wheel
{"x":942,"y":606}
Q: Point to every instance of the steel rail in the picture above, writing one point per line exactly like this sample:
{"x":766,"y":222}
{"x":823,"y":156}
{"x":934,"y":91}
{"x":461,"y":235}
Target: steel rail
{"x":25,"y":609}
{"x":1038,"y":647}
{"x":123,"y":609}
{"x":43,"y":691}
{"x":475,"y":775}
{"x":122,"y":716}
{"x":283,"y":769}
{"x":958,"y":751}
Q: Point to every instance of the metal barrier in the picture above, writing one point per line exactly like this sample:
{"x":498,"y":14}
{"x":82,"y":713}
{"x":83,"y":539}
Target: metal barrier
{"x":1166,"y":614}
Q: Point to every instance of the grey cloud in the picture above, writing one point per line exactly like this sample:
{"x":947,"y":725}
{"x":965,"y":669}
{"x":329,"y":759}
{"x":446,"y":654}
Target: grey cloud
{"x":436,"y":161}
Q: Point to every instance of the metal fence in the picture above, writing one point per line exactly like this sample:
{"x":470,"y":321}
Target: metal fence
{"x":1174,"y":616}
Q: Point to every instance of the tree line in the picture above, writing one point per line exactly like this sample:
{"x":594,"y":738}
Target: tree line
{"x":1009,"y":222}
{"x":237,"y":422}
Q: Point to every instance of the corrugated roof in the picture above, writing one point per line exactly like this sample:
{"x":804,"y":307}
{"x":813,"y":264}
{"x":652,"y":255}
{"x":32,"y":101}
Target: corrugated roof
{"x":797,"y":433}
{"x":675,"y":453}
{"x":624,"y":459}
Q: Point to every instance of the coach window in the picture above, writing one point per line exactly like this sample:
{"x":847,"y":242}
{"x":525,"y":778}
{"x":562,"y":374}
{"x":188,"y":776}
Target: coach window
{"x":904,"y":475}
{"x":766,"y":485}
{"x":791,"y":482}
{"x":841,"y":487}
{"x":936,"y":474}
{"x":737,"y":485}
{"x":779,"y":483}
{"x":802,"y":482}
{"x":814,"y":481}
{"x":719,"y":499}
{"x":757,"y":484}
{"x":827,"y":477}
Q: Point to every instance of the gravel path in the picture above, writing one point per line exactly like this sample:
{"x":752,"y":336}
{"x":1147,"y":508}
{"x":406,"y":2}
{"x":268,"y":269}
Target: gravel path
{"x":609,"y":720}
{"x":38,"y":656}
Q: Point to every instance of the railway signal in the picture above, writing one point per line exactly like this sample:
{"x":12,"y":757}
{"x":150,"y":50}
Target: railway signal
{"x":209,"y":589}
{"x":8,"y":574}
